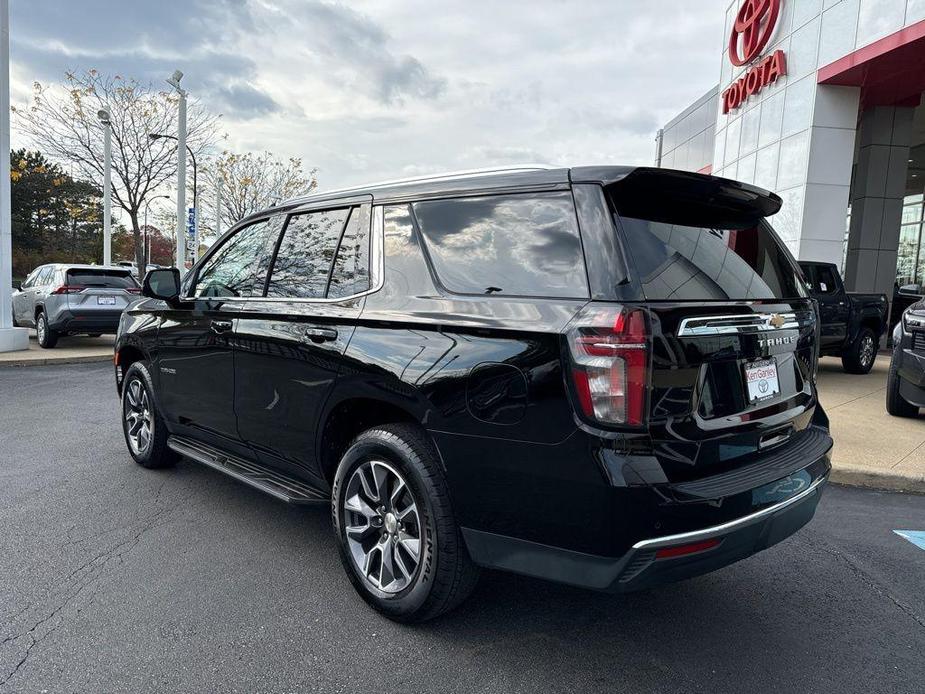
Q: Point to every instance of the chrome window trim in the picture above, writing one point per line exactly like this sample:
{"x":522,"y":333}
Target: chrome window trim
{"x":701,"y":326}
{"x":709,"y":533}
{"x":376,"y":271}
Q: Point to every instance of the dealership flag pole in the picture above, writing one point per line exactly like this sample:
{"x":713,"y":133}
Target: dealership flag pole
{"x":10,"y":338}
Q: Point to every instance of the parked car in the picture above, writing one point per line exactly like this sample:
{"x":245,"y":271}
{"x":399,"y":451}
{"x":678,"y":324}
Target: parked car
{"x":905,"y":386}
{"x":603,"y":376}
{"x":134,"y":267}
{"x":59,"y":300}
{"x":851,"y":323}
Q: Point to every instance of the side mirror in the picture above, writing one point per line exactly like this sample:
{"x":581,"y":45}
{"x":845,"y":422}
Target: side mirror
{"x":17,"y":286}
{"x":910,"y":290}
{"x":163,"y":284}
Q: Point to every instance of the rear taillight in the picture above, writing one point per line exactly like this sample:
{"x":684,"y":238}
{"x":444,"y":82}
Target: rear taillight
{"x":610,"y":354}
{"x":68,"y":289}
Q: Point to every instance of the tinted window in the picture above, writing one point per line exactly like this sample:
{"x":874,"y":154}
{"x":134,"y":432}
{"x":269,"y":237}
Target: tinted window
{"x":825,"y":281}
{"x":110,"y":279}
{"x":303,"y":262}
{"x":351,"y":266}
{"x":696,"y":263}
{"x":232,"y":269}
{"x":524,"y":245}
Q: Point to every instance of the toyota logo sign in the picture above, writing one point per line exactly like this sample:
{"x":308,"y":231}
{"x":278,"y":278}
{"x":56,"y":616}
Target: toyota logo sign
{"x":752,"y":30}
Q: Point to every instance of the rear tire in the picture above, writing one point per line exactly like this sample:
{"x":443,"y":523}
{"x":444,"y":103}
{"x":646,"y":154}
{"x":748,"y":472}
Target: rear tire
{"x":142,"y":425}
{"x":860,"y":356}
{"x":47,"y":338}
{"x":896,"y":405}
{"x":390,"y":496}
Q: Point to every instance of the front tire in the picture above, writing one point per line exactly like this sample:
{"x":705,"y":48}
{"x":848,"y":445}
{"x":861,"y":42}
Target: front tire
{"x":396,"y":532}
{"x":142,"y":425}
{"x":47,"y":338}
{"x":860,"y":356}
{"x":896,"y":405}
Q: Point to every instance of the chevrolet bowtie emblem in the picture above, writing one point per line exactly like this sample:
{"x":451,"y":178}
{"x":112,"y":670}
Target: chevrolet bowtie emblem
{"x":777,"y":320}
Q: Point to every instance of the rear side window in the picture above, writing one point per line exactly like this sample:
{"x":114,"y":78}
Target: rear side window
{"x":518,"y":245}
{"x":306,"y":253}
{"x":107,"y":279}
{"x":351,"y":265}
{"x":235,"y":268}
{"x":693,"y":263}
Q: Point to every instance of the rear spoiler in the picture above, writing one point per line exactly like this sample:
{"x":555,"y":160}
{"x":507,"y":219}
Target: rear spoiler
{"x":682,"y":197}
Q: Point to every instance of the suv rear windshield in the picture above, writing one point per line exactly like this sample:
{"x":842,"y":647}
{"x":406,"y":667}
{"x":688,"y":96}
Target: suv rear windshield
{"x":695,"y":263}
{"x":107,"y":279}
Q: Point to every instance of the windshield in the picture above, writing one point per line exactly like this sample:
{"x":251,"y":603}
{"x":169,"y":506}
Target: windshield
{"x":109,"y":279}
{"x":684,"y":263}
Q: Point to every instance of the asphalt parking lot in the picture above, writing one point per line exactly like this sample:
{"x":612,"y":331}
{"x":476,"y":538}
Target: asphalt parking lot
{"x":114,"y":578}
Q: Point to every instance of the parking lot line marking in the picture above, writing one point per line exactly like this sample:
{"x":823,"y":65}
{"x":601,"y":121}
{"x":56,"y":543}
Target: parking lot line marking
{"x":916,"y":537}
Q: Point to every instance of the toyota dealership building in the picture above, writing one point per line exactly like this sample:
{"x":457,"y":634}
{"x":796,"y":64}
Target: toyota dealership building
{"x":821,"y":101}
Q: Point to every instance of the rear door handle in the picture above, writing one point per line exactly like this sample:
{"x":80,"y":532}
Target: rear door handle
{"x":320,"y":334}
{"x":221,"y":326}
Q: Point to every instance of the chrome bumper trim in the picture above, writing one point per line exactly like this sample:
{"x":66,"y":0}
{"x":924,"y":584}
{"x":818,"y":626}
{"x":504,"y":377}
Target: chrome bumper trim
{"x":708,"y":533}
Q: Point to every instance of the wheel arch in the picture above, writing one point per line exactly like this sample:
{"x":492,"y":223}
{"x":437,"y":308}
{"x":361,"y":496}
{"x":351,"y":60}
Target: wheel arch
{"x":348,"y":418}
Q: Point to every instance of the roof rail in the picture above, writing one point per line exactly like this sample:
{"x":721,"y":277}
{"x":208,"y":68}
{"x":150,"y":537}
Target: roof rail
{"x":468,"y":173}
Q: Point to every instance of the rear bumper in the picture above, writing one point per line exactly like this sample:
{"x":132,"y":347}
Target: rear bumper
{"x":649,"y":562}
{"x":69,"y":321}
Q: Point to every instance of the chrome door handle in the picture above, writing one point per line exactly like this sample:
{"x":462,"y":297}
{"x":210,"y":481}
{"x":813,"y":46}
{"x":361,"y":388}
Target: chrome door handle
{"x":320,"y":334}
{"x":220,"y":326}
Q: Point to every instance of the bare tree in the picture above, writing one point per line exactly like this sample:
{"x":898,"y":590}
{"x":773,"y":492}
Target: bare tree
{"x":62,"y":121}
{"x":252,"y":182}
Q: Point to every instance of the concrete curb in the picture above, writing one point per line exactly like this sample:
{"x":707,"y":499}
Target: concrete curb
{"x":878,"y":479}
{"x":52,"y":361}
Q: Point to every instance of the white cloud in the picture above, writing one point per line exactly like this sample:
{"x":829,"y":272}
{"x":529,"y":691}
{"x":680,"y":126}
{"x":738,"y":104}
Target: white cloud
{"x":378,"y":89}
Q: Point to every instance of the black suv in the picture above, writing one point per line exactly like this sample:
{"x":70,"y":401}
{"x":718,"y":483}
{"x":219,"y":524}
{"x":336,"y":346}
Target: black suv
{"x":603,"y":376}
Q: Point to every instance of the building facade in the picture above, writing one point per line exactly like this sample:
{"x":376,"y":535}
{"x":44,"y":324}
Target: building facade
{"x":821,"y":101}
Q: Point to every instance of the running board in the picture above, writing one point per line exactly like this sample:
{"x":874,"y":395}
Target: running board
{"x":273,"y":482}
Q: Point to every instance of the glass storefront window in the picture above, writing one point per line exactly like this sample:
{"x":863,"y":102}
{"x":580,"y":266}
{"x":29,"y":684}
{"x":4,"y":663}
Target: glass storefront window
{"x":910,"y":260}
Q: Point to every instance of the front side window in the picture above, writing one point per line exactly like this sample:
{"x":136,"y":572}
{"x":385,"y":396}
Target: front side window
{"x":516,"y":245}
{"x":825,"y":280}
{"x":306,"y":252}
{"x":232,"y":270}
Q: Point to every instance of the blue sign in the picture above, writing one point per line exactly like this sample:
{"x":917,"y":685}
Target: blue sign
{"x":191,"y":233}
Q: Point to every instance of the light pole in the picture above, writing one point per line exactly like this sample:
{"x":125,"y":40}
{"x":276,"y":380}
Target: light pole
{"x":154,"y":137}
{"x":147,"y":253}
{"x":106,"y":122}
{"x":174,"y":81}
{"x":10,"y":338}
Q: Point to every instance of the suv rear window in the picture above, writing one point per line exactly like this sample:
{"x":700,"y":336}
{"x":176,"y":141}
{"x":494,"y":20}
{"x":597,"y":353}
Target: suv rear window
{"x":520,"y":245}
{"x":693,"y":263}
{"x":107,"y":279}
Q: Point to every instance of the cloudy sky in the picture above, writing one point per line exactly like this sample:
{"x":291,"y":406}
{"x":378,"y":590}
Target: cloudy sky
{"x":375,"y":89}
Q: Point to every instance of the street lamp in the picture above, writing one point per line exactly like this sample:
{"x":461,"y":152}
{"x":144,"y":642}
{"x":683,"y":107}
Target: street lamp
{"x":154,"y":137}
{"x":106,"y":122}
{"x":147,"y":253}
{"x":174,"y":81}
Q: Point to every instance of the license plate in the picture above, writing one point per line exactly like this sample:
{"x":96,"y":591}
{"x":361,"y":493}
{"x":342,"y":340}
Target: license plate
{"x":106,"y":300}
{"x":761,"y":380}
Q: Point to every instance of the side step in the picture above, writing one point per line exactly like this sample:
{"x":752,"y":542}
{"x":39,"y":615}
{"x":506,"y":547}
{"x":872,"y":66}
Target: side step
{"x":273,"y":482}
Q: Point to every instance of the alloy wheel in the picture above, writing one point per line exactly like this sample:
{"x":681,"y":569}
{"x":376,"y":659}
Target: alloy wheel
{"x":139,"y":419}
{"x":867,"y":350}
{"x":383,"y":526}
{"x":40,"y":329}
